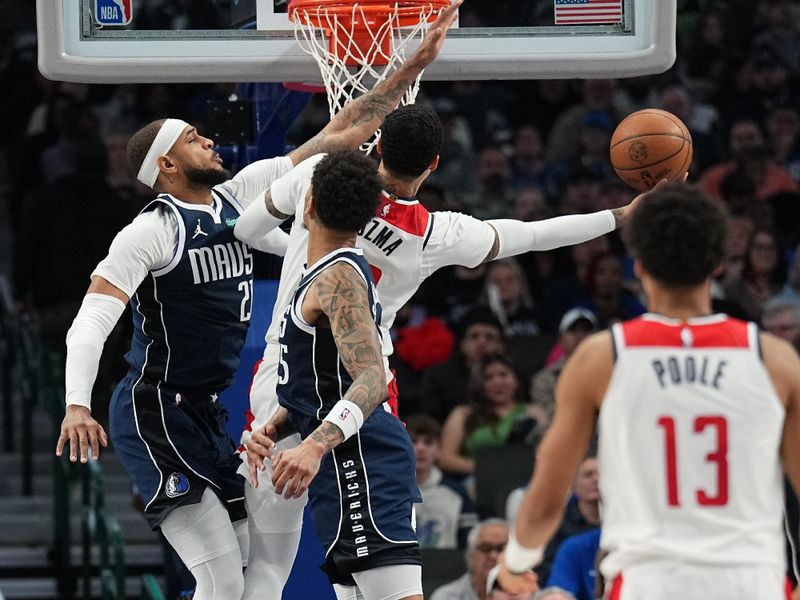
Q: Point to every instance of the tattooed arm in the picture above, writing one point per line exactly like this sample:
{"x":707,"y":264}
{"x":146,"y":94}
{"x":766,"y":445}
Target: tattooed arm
{"x":340,"y":294}
{"x":359,"y":119}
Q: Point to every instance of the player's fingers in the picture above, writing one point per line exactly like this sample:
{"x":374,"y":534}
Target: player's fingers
{"x":73,"y":445}
{"x":60,"y":443}
{"x":299,"y":487}
{"x":251,"y":469}
{"x":83,"y":437}
{"x":286,"y":473}
{"x":94,"y":443}
{"x":103,"y":436}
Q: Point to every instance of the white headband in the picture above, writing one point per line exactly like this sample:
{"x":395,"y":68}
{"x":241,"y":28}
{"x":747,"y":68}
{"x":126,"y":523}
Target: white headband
{"x":167,"y":136}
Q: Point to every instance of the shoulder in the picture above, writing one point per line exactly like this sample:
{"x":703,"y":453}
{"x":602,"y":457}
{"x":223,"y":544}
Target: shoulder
{"x":159,"y":222}
{"x":782,"y":364}
{"x":582,"y":541}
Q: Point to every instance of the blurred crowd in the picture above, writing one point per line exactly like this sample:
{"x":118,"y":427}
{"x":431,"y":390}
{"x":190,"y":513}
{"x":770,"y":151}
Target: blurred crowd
{"x":478,"y":351}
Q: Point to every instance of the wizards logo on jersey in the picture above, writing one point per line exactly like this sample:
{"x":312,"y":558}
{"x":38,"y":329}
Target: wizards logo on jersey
{"x":113,"y":12}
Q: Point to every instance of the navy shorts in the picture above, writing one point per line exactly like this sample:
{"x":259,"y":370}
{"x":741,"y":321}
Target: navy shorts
{"x":362,"y":499}
{"x":173,"y":444}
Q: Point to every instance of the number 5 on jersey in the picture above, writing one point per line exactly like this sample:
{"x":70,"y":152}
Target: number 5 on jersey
{"x":283,"y":367}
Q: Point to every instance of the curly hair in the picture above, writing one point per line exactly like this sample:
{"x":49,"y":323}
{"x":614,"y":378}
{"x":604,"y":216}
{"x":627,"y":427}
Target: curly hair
{"x":346,"y":190}
{"x":140,"y":143}
{"x":411,"y":137}
{"x":678,"y":235}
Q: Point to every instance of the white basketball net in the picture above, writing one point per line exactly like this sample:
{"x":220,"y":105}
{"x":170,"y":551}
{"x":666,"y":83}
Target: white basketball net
{"x":373,"y":64}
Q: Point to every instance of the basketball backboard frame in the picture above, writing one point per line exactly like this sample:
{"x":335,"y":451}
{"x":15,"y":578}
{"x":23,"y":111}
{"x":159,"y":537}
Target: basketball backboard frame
{"x":72,"y":49}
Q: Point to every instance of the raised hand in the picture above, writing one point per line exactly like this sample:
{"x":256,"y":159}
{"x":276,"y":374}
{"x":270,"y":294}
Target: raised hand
{"x":82,"y":432}
{"x":432,"y":43}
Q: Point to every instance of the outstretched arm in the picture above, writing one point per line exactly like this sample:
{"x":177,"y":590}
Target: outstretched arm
{"x":516,"y":237}
{"x":341,"y":295}
{"x":359,"y":119}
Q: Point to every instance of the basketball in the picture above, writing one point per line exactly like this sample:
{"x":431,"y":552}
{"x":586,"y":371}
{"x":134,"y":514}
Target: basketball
{"x":650,"y":145}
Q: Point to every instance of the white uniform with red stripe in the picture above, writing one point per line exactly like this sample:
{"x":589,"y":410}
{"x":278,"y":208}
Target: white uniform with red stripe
{"x":404,"y":244}
{"x":690,"y":474}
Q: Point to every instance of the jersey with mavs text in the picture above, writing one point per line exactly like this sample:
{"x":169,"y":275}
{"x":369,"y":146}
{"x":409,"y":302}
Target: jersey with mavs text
{"x":191,"y":316}
{"x":361,"y":499}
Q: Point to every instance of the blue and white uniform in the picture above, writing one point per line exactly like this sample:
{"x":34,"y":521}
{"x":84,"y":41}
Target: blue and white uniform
{"x":190,"y":284}
{"x":361,"y":499}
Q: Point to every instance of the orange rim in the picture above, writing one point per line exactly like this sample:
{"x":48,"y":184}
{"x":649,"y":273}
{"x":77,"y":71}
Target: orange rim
{"x":407,"y":12}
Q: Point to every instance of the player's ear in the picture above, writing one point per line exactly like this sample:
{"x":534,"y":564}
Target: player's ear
{"x":434,"y":164}
{"x":638,"y":269}
{"x":379,"y":148}
{"x":308,"y":207}
{"x":166,"y":164}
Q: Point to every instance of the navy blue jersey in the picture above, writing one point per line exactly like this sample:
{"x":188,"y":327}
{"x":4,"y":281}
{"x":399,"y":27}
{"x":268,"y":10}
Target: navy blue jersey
{"x":191,"y":317}
{"x":311,"y":377}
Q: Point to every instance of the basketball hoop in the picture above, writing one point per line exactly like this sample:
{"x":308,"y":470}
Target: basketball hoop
{"x":357,"y":44}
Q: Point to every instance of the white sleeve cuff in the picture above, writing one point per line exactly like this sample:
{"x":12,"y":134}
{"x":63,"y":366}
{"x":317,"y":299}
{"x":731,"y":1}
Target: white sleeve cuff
{"x":517,"y":237}
{"x":85,"y":339}
{"x":255,"y":223}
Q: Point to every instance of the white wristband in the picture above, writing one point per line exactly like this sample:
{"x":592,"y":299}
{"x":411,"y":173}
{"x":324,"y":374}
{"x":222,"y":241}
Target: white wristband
{"x":520,"y":559}
{"x":347,"y":417}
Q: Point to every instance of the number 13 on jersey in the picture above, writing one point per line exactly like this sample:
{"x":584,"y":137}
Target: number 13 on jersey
{"x":717,"y":456}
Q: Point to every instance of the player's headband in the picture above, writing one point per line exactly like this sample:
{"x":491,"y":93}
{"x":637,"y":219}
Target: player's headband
{"x":167,"y":136}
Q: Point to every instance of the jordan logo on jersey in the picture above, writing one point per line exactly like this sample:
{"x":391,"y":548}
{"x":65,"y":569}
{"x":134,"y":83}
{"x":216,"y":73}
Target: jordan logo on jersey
{"x":220,"y":261}
{"x":198,"y":230}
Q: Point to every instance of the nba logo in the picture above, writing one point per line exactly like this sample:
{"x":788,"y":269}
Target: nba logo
{"x":113,"y":12}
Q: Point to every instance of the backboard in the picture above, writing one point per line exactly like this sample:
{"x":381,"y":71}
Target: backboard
{"x":139,"y":41}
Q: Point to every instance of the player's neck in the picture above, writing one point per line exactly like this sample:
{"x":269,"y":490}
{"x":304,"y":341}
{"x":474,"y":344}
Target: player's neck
{"x":189,"y":194}
{"x":679,"y":304}
{"x":322,"y":242}
{"x":402,"y":188}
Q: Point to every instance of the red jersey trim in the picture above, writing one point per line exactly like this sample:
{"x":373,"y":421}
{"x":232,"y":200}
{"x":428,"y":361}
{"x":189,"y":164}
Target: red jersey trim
{"x":408,"y":216}
{"x":728,"y":333}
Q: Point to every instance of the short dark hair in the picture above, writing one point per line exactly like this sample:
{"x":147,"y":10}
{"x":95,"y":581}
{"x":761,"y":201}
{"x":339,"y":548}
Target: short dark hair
{"x":346,"y":190}
{"x":423,"y":425}
{"x":140,"y":143}
{"x":411,"y":137}
{"x":480,"y":315}
{"x":678,"y":235}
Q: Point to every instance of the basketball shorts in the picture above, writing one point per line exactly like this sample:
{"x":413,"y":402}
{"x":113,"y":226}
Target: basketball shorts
{"x":362,"y":499}
{"x":661,"y":580}
{"x":173,"y":444}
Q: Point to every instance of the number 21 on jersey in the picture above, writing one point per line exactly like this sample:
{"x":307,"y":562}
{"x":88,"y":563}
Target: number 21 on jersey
{"x":718,"y":456}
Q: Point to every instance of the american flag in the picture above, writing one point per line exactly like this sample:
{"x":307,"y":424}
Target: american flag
{"x":588,"y":12}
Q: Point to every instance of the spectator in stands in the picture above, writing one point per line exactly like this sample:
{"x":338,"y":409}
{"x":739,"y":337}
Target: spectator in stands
{"x":485,"y":542}
{"x":783,"y":320}
{"x":606,"y":295}
{"x":703,"y":122}
{"x":530,"y":204}
{"x":494,"y":408}
{"x":507,"y":295}
{"x":781,"y":32}
{"x":791,"y":291}
{"x":446,"y":514}
{"x":491,"y":196}
{"x":598,"y":95}
{"x":576,"y":325}
{"x":763,"y":274}
{"x":445,"y":386}
{"x":783,"y":132}
{"x":573,"y":567}
{"x":750,"y":156}
{"x":528,"y":167}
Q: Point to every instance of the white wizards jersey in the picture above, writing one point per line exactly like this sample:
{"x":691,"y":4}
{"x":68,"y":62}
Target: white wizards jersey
{"x":404,"y":244}
{"x":690,"y":430}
